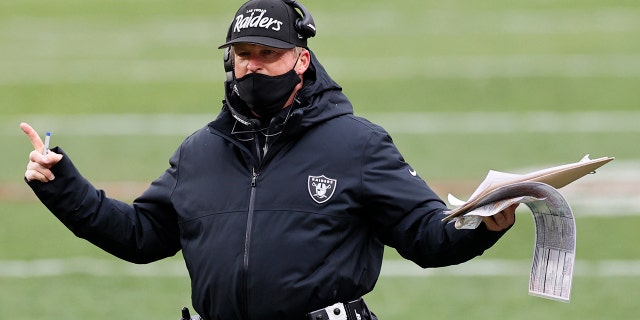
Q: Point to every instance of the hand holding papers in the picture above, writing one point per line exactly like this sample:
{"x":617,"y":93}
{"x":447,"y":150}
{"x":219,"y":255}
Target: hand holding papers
{"x":556,"y":177}
{"x":554,"y":252}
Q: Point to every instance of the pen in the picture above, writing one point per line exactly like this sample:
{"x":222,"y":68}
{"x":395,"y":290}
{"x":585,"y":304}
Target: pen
{"x":45,"y":148}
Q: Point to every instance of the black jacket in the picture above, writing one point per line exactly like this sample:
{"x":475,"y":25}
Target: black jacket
{"x":274,"y":238}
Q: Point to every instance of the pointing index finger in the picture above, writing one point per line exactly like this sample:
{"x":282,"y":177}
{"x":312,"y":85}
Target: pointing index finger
{"x":36,"y":142}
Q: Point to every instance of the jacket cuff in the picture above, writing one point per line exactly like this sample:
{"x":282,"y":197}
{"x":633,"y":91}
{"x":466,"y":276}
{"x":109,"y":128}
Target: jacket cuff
{"x":64,"y":193}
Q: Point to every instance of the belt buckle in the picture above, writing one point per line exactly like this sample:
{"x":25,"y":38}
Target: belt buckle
{"x":354,"y":310}
{"x":335,"y":311}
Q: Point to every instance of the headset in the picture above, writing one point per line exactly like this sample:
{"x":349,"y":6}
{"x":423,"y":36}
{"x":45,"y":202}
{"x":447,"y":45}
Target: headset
{"x":304,"y":26}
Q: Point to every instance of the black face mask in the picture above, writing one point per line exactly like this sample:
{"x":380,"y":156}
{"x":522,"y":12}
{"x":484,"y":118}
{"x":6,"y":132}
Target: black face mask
{"x":266,"y":95}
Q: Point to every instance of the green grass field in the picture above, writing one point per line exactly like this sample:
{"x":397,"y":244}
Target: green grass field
{"x":462,"y":86}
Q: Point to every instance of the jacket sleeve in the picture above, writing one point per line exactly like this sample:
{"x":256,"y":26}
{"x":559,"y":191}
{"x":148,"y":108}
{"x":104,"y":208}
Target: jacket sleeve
{"x":140,"y":233}
{"x":407,"y":214}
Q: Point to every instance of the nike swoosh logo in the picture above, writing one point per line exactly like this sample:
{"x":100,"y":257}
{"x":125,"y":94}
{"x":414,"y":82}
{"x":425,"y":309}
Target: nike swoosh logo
{"x":413,"y":172}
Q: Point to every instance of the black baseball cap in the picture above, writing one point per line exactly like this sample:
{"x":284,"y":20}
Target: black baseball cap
{"x":270,"y":23}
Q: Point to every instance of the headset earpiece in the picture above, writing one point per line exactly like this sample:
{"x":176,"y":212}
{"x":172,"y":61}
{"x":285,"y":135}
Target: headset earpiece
{"x":228,"y":64}
{"x":305,"y":26}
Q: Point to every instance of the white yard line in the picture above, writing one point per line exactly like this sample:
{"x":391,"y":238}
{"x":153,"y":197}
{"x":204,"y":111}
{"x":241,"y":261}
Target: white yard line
{"x":390,"y":268}
{"x":208,"y":70}
{"x":486,"y":267}
{"x":484,"y":66}
{"x":379,"y":20}
{"x":394,"y":122}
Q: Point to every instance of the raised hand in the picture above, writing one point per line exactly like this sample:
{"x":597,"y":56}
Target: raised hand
{"x":39,"y":166}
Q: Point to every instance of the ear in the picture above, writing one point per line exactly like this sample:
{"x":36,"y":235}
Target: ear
{"x":303,"y":62}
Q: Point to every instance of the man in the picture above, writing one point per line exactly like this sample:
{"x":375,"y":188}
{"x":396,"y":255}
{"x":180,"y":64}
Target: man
{"x":283,"y":204}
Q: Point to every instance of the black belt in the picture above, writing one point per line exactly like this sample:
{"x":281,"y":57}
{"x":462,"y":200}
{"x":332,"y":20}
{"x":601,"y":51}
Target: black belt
{"x":354,"y":310}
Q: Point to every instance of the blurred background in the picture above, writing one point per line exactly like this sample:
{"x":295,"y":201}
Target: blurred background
{"x":462,"y":86}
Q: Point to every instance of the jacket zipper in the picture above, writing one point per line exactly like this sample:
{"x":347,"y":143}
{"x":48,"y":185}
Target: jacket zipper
{"x":255,"y":171}
{"x":247,"y":243}
{"x":249,"y":227}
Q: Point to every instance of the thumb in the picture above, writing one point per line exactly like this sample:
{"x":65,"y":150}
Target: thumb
{"x":52,"y":158}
